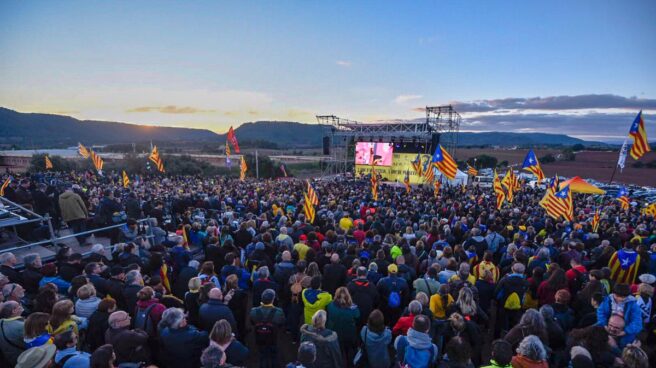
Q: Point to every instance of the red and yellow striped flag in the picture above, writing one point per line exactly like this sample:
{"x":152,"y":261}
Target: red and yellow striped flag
{"x":649,"y":210}
{"x":471,"y":171}
{"x":242,"y":169}
{"x":4,"y":186}
{"x":156,"y":159}
{"x":97,"y":161}
{"x":164,"y":275}
{"x":374,"y":184}
{"x":308,"y":209}
{"x":48,"y":163}
{"x":126,"y":180}
{"x":436,"y":188}
{"x":312,"y":194}
{"x":83,"y":151}
{"x":498,"y":190}
{"x":444,"y":162}
{"x":510,"y":183}
{"x":639,"y":135}
{"x":595,"y":221}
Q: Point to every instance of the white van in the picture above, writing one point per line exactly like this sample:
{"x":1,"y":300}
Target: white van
{"x":483,"y":181}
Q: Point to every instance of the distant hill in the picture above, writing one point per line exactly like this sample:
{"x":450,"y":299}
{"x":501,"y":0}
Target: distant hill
{"x":28,"y":130}
{"x":46,"y":130}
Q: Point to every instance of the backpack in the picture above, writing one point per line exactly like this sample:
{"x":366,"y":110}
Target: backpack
{"x":579,"y":282}
{"x":62,"y":361}
{"x":513,"y":302}
{"x":394,"y":298}
{"x":144,"y":321}
{"x":418,"y":358}
{"x":296,"y":290}
{"x":265,"y":330}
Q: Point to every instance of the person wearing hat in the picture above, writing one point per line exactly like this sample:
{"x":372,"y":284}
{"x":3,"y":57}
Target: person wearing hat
{"x":301,"y":247}
{"x":37,"y":357}
{"x":621,"y":303}
{"x":267,"y":319}
{"x":74,"y":212}
{"x":394,"y":291}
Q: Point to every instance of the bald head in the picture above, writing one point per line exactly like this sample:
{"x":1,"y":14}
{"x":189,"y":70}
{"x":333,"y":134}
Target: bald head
{"x":119,"y":319}
{"x":334,"y":258}
{"x":286,"y":256}
{"x":216,"y":294}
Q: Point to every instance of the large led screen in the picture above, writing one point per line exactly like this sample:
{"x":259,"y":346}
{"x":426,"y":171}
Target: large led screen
{"x":371,"y":153}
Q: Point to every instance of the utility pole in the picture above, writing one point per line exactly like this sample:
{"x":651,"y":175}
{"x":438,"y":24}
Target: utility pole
{"x":257,"y":166}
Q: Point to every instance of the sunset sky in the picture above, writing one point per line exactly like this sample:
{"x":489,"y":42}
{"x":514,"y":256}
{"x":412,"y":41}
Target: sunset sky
{"x":583,"y":68}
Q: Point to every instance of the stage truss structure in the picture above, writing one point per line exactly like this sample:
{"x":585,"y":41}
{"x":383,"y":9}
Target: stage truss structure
{"x":344,"y":133}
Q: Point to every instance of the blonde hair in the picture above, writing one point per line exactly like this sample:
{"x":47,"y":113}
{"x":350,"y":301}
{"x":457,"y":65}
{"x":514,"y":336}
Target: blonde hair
{"x":86,"y":291}
{"x":343,"y":297}
{"x":194,"y":284}
{"x":422,"y":298}
{"x":146,"y":293}
{"x":319,"y":319}
{"x":466,"y":302}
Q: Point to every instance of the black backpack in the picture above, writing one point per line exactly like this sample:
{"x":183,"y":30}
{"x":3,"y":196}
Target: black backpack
{"x":144,"y":321}
{"x":265,"y":330}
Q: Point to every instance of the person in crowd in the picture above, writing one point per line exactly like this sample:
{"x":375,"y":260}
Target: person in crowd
{"x":393,"y":291}
{"x":214,"y":310}
{"x":8,"y":263}
{"x":416,"y":349}
{"x":31,"y":275}
{"x":130,"y":345}
{"x":326,"y":341}
{"x":182,"y":344}
{"x":343,"y":317}
{"x":531,"y":323}
{"x":262,"y":283}
{"x":74,"y":212}
{"x":501,"y":354}
{"x":36,"y":330}
{"x":63,"y":318}
{"x":103,"y":357}
{"x":621,"y":303}
{"x":530,"y":354}
{"x":87,"y":302}
{"x":267,"y":320}
{"x":509,"y":292}
{"x":457,"y":355}
{"x":221,"y":335}
{"x":306,"y":356}
{"x":49,"y":272}
{"x":133,"y":284}
{"x":314,"y":299}
{"x":37,"y":357}
{"x":12,"y":331}
{"x":68,"y":355}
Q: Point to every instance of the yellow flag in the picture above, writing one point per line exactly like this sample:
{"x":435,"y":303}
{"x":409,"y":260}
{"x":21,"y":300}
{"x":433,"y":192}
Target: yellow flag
{"x":126,"y":180}
{"x":48,"y":163}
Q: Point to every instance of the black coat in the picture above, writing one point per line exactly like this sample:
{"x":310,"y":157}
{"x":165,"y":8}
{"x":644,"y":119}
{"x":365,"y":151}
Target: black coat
{"x":115,"y":289}
{"x":130,"y":295}
{"x":212,"y":311}
{"x":68,"y":271}
{"x":98,"y":324}
{"x":180,"y":286}
{"x":365,"y":296}
{"x":334,"y":276}
{"x":31,"y":278}
{"x":13,"y":275}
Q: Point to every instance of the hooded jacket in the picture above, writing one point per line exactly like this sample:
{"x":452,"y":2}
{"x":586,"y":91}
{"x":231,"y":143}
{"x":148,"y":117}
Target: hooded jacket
{"x":328,"y":352}
{"x":314,"y":300}
{"x":72,"y":207}
{"x":419,"y":341}
{"x":632,"y":317}
{"x":364,"y":295}
{"x":519,"y":361}
{"x":376,"y":347}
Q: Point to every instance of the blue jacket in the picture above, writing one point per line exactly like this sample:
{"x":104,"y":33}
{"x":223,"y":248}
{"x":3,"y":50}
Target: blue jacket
{"x":376,"y":347}
{"x":424,"y":352}
{"x":79,"y":359}
{"x":632,"y":318}
{"x":62,"y":285}
{"x":182,"y":347}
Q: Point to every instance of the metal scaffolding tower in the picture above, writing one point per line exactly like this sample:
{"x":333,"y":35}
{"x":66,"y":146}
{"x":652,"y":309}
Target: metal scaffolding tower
{"x":344,"y":133}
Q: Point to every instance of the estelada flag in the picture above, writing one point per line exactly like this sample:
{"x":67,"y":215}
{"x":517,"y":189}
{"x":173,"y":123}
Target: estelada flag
{"x":639,"y":135}
{"x":233,"y":139}
{"x":498,"y":190}
{"x":444,"y":162}
{"x":83,"y":151}
{"x":4,"y":186}
{"x":156,"y":159}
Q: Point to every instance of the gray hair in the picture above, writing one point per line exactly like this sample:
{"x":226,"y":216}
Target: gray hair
{"x":171,"y":318}
{"x":532,"y":348}
{"x":464,"y":268}
{"x":518,"y":268}
{"x":29,"y":259}
{"x":319,"y":319}
{"x":193,"y":264}
{"x":415,"y":307}
{"x":543,"y":253}
{"x":263,"y":272}
{"x":132,"y":276}
{"x":547,"y":312}
{"x":4,"y":257}
{"x":533,"y":319}
{"x":373,"y":266}
{"x":211,"y":357}
{"x":7,"y":309}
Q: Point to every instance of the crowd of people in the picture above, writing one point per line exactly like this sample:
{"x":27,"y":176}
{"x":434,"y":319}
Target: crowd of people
{"x":231,"y":273}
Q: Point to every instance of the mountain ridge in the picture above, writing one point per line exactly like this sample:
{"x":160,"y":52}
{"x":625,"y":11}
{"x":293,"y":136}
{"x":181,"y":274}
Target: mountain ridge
{"x":19,"y":129}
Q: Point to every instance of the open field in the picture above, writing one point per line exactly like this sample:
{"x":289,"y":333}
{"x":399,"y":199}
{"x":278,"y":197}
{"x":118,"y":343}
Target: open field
{"x":588,"y":164}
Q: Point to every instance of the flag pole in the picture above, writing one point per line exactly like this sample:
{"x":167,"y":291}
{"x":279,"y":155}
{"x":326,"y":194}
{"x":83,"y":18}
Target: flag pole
{"x":612,"y":175}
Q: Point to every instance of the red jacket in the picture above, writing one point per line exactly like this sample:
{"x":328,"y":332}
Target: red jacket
{"x":403,"y":325}
{"x":156,"y":312}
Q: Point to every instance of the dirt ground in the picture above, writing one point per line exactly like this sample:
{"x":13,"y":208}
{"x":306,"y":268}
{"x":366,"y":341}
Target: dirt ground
{"x":588,"y":164}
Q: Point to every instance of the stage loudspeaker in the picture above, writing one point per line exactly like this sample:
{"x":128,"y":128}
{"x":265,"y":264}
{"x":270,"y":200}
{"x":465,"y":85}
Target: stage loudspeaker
{"x":435,"y":140}
{"x":326,"y":146}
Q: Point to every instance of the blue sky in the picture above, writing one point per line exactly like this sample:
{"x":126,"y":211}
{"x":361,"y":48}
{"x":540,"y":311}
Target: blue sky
{"x":212,"y":64}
